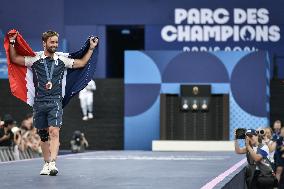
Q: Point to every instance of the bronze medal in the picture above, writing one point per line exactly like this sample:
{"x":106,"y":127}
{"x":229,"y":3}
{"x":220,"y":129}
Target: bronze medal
{"x":48,"y":85}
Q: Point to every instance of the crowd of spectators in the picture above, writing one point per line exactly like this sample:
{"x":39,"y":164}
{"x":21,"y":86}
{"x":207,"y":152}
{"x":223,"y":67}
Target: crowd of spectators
{"x":21,"y":136}
{"x":24,"y":136}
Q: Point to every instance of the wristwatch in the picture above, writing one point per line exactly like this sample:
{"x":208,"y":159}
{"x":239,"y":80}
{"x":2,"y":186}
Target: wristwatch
{"x":12,"y":42}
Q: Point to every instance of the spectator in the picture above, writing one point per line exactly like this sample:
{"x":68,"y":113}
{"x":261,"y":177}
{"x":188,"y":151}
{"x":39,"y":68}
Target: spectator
{"x":86,"y":100}
{"x":17,"y":135}
{"x":27,"y":123}
{"x":259,"y":173}
{"x":1,"y":123}
{"x":33,"y":141}
{"x":277,"y":125}
{"x":19,"y":139}
{"x":29,"y":133}
{"x":279,"y":157}
{"x":6,"y":135}
{"x":18,"y":142}
{"x":78,"y":143}
{"x":267,"y":139}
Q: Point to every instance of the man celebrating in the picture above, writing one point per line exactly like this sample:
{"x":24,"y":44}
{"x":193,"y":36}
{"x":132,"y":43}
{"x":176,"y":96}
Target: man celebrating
{"x":48,"y":69}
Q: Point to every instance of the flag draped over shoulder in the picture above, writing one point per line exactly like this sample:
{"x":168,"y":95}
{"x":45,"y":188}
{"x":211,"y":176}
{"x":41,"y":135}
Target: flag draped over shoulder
{"x":21,"y":77}
{"x":16,"y":73}
{"x":78,"y":79}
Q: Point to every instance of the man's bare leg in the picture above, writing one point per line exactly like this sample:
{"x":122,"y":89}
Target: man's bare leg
{"x":54,"y":142}
{"x":54,"y":147}
{"x":45,"y":151}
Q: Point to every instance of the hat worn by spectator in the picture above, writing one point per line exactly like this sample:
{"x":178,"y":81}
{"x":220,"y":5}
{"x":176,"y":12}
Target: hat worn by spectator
{"x":8,"y":119}
{"x":251,"y":132}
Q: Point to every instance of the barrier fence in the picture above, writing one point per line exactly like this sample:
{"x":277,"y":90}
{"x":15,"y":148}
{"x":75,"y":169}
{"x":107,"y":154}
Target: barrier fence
{"x":13,"y":153}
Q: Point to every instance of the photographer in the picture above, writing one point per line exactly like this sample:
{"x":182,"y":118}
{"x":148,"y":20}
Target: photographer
{"x":6,"y":135}
{"x":78,"y":143}
{"x":259,"y":173}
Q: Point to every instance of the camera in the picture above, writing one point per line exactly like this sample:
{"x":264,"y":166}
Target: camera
{"x":260,"y":132}
{"x":77,"y":137}
{"x":241,"y":133}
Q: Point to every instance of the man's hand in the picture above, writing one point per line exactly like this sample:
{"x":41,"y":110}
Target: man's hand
{"x":14,"y":56}
{"x":93,"y":42}
{"x":80,"y":63}
{"x":13,"y":37}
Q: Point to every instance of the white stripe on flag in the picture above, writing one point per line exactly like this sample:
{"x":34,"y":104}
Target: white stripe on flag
{"x":30,"y":87}
{"x":64,"y":83}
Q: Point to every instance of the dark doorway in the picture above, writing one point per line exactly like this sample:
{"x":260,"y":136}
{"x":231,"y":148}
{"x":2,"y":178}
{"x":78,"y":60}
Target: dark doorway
{"x":119,"y":39}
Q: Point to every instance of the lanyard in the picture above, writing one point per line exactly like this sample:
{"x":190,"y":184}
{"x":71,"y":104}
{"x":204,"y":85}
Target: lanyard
{"x":48,"y":75}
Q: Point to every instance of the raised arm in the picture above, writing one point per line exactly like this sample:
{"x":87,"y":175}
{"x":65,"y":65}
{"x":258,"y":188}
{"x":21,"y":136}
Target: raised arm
{"x":14,"y":57}
{"x":238,"y":149}
{"x":272,"y":146}
{"x":79,"y":63}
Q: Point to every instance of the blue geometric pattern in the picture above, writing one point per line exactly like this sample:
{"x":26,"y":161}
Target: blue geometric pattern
{"x":140,"y":68}
{"x":140,"y":130}
{"x":242,"y":75}
{"x":248,"y":84}
{"x":241,"y":119}
{"x":230,"y":61}
{"x":193,"y":67}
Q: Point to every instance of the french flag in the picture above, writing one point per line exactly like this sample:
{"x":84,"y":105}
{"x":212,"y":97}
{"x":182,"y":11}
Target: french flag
{"x":21,"y":77}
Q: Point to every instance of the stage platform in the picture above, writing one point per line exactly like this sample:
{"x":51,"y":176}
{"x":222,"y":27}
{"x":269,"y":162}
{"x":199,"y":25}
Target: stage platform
{"x":127,"y":170}
{"x":190,"y":145}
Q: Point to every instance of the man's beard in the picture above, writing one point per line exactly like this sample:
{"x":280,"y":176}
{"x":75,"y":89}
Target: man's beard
{"x":51,"y":49}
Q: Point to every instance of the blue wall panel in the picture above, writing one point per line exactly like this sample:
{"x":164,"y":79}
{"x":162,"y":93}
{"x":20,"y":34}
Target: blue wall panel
{"x":242,"y":75}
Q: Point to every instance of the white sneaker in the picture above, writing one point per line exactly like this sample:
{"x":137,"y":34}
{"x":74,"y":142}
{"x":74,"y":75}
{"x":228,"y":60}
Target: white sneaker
{"x":85,"y":118}
{"x":90,"y":116}
{"x":45,"y":170}
{"x":52,"y":169}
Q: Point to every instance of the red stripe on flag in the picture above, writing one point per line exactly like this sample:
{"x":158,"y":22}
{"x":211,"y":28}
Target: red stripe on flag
{"x":16,"y":73}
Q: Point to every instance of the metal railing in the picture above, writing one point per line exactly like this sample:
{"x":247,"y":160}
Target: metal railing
{"x":13,"y":153}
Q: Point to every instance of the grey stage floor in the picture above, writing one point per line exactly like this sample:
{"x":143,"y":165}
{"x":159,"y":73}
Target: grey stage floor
{"x":121,"y":170}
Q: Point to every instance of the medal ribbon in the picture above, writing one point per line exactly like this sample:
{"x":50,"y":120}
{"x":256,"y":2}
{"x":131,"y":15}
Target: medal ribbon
{"x":48,"y":75}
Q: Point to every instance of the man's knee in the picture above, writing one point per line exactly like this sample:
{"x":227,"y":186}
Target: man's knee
{"x":54,"y":132}
{"x":43,"y":133}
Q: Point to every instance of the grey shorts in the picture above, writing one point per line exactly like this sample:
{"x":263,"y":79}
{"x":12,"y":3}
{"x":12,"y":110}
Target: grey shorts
{"x":47,"y":113}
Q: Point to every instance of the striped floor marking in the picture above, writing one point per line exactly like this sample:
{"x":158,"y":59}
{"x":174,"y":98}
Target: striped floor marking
{"x":222,"y":176}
